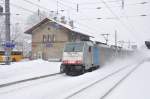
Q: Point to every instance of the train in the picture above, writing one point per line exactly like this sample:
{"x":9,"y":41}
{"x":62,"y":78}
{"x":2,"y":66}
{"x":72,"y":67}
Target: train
{"x":82,"y":56}
{"x":15,"y":56}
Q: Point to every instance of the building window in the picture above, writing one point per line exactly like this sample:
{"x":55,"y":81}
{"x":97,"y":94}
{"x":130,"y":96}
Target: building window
{"x":51,"y":38}
{"x":44,"y":38}
{"x":49,"y":28}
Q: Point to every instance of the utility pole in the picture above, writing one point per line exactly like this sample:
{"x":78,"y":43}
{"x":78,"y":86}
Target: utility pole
{"x":57,"y":8}
{"x":116,"y":38}
{"x":116,"y":43}
{"x":129,"y":44}
{"x":39,"y":14}
{"x":122,"y":3}
{"x":105,"y":37}
{"x":121,"y":43}
{"x":7,"y":30}
{"x":77,"y":7}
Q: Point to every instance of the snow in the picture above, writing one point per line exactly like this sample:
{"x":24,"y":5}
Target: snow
{"x":98,"y":90}
{"x":27,"y":69}
{"x":136,"y":86}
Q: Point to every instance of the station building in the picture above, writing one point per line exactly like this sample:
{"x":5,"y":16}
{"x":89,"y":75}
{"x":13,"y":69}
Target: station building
{"x":49,"y":37}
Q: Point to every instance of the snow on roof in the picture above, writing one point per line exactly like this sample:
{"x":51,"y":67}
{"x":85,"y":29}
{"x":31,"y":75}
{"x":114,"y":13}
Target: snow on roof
{"x":79,"y":31}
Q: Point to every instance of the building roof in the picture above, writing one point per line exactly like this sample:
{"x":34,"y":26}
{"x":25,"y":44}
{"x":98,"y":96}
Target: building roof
{"x":30,"y":30}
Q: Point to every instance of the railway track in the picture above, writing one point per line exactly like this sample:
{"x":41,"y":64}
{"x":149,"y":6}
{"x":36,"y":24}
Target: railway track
{"x":104,"y":78}
{"x":120,"y":81}
{"x":29,"y":79}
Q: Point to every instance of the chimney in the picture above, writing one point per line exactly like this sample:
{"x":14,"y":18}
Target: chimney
{"x":55,"y":18}
{"x":62,"y":20}
{"x":71,"y":23}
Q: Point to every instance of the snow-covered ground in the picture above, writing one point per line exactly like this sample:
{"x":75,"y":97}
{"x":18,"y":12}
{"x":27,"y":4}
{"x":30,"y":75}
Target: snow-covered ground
{"x":136,"y":86}
{"x":27,"y":69}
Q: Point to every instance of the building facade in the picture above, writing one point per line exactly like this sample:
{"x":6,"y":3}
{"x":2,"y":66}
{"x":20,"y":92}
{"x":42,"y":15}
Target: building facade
{"x":49,"y":38}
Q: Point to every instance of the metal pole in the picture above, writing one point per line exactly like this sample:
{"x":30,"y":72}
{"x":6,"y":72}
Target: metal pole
{"x":129,"y":44}
{"x":7,"y":30}
{"x":116,"y":42}
{"x":77,"y":7}
{"x":57,"y":7}
{"x":105,"y":37}
{"x":116,"y":38}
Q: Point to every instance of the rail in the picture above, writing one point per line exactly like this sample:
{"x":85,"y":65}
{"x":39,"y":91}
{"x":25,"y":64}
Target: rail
{"x":29,"y":79}
{"x":102,"y":79}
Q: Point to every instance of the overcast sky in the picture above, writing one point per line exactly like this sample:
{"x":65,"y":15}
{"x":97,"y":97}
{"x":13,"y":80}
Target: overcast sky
{"x":129,"y":24}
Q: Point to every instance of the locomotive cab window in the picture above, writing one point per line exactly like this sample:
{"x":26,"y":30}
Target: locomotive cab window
{"x":74,"y":47}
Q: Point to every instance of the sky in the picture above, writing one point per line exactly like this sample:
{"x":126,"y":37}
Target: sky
{"x":127,"y":21}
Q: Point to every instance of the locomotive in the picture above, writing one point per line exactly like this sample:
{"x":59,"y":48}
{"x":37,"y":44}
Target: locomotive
{"x":82,"y":56}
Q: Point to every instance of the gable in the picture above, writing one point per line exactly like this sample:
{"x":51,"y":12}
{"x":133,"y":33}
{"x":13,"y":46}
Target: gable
{"x":55,"y":25}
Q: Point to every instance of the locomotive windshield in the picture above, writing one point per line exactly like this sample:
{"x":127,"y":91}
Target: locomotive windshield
{"x":74,"y":47}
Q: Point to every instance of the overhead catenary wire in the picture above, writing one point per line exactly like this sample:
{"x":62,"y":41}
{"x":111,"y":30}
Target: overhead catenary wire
{"x":89,"y":3}
{"x":132,"y":4}
{"x":78,"y":22}
{"x":87,"y":27}
{"x":130,"y":24}
{"x":80,"y":9}
{"x":123,"y":24}
{"x":112,"y":18}
{"x":24,"y":8}
{"x":40,"y":6}
{"x":70,"y":7}
{"x":102,"y":7}
{"x":59,"y":4}
{"x":69,"y":2}
{"x":86,"y":3}
{"x":36,"y":5}
{"x":97,"y":3}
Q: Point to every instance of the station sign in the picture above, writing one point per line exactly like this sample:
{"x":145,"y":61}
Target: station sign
{"x":8,"y":44}
{"x":49,"y":45}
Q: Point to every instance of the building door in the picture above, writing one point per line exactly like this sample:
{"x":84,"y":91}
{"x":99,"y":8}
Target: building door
{"x":39,"y":55}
